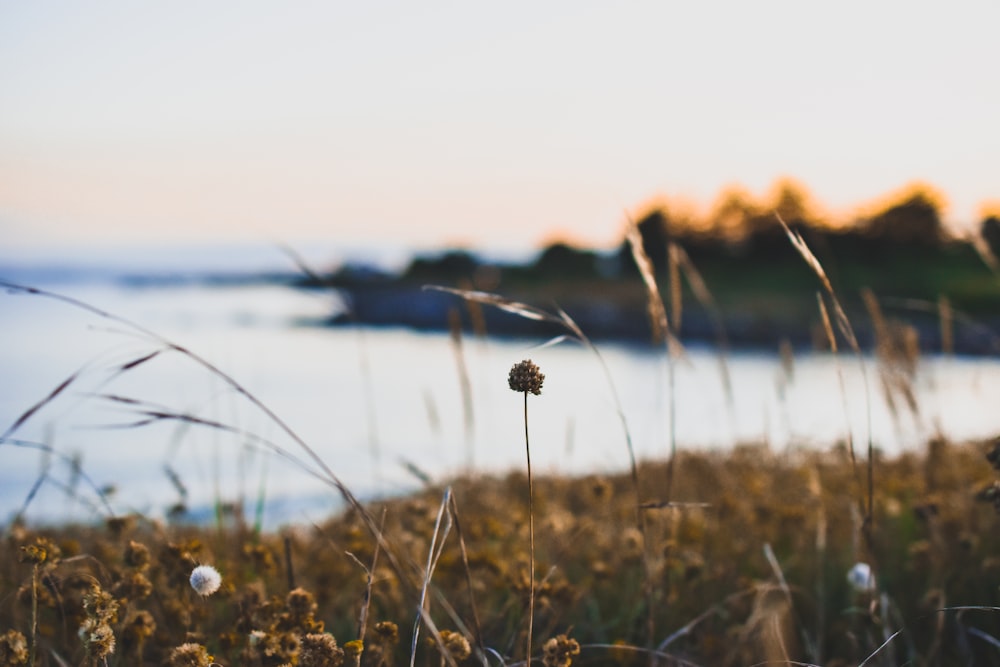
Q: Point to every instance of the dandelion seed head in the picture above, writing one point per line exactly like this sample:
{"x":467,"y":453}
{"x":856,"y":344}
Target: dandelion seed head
{"x":861,"y":578}
{"x":205,"y":580}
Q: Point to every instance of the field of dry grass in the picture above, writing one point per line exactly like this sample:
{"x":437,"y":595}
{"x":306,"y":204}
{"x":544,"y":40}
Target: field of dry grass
{"x":750,"y":565}
{"x":738,"y":557}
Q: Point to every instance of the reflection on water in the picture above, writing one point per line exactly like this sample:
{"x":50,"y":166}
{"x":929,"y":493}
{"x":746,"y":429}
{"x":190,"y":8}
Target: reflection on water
{"x":382,"y":407}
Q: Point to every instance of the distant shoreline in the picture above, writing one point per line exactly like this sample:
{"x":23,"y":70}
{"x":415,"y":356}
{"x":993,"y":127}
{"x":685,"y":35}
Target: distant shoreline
{"x":605,"y":320}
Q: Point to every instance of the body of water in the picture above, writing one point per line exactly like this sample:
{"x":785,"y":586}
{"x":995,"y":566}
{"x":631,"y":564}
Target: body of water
{"x":381,"y":408}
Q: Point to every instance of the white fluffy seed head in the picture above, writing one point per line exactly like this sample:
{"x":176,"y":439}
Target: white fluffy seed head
{"x":861,"y":578}
{"x":205,"y":580}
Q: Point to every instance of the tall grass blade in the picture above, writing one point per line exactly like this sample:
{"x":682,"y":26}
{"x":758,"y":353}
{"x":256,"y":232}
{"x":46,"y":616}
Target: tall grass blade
{"x":324,"y":471}
{"x":468,"y":580}
{"x":844,"y":325}
{"x":947,"y":326}
{"x":27,"y":414}
{"x":507,"y":305}
{"x":879,"y":649}
{"x":468,"y":413}
{"x":433,"y":554}
{"x":704,"y":296}
{"x":78,"y":470}
{"x":654,"y":302}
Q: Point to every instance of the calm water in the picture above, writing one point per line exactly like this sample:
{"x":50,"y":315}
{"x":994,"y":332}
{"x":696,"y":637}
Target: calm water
{"x":376,"y":404}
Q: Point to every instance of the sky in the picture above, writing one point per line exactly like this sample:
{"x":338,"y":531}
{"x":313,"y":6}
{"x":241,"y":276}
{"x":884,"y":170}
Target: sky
{"x":485,"y":125}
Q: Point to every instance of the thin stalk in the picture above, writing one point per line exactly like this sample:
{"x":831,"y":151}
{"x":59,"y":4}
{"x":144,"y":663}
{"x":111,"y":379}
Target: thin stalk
{"x":34,"y":614}
{"x":322,"y":471}
{"x":531,"y":538}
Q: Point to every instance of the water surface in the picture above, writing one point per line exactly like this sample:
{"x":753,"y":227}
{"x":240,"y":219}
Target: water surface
{"x":382,"y":407}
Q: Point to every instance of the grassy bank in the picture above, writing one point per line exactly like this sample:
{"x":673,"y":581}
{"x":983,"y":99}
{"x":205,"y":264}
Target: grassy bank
{"x":749,"y":566}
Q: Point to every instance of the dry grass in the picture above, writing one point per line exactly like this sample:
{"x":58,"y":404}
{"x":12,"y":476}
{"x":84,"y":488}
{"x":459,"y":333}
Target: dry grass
{"x":759,"y":570}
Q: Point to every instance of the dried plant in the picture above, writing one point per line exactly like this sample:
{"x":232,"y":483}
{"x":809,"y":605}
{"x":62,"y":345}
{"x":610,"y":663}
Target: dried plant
{"x":526,"y":378}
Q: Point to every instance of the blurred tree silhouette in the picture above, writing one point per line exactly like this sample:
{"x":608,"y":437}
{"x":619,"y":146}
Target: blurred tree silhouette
{"x":449,"y":267}
{"x":561,"y":260}
{"x":731,"y":214}
{"x":655,"y":231}
{"x":762,"y":235}
{"x":913,"y":223}
{"x":989,"y":229}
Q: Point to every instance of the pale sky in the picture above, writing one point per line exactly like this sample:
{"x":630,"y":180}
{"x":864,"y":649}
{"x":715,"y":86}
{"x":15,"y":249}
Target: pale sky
{"x":434,"y":123}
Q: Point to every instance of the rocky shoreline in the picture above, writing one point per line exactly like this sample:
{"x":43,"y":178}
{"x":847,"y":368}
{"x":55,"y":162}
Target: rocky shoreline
{"x":418,"y":308}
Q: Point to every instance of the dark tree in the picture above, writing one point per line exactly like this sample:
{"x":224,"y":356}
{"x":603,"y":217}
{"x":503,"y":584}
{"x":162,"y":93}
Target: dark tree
{"x":561,"y":260}
{"x":913,"y":223}
{"x":448,"y":267}
{"x":653,"y":229}
{"x":989,"y":229}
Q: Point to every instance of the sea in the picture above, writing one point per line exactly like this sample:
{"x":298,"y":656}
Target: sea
{"x":163,"y":393}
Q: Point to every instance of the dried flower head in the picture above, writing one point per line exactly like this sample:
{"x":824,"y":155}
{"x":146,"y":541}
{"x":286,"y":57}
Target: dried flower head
{"x":13,"y":648}
{"x":301,"y":603}
{"x":320,"y":650}
{"x":526,"y":377}
{"x":456,"y":644}
{"x":205,"y":580}
{"x":190,"y":655}
{"x":387,"y":632}
{"x":100,"y":605}
{"x":137,"y":555}
{"x":98,"y":638}
{"x":353,"y":650}
{"x":43,"y":550}
{"x":559,"y":651}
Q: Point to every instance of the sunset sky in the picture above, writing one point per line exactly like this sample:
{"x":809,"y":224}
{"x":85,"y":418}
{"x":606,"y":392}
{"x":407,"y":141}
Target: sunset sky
{"x":486,"y":124}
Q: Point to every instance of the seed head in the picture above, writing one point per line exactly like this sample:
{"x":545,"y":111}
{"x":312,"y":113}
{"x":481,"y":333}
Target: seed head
{"x":526,"y":377}
{"x":205,"y":580}
{"x":190,"y":655}
{"x":559,"y":651}
{"x":320,"y":650}
{"x":13,"y":648}
{"x":98,"y":638}
{"x":456,"y":644}
{"x":861,"y":578}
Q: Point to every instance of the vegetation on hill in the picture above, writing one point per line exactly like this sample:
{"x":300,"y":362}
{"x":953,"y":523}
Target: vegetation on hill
{"x":899,"y":250}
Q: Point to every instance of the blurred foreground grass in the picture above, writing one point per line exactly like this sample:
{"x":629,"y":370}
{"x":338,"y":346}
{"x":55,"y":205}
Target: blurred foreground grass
{"x":749,"y":568}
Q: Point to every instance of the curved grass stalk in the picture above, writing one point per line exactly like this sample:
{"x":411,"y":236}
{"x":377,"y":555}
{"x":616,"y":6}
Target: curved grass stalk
{"x":324,"y":471}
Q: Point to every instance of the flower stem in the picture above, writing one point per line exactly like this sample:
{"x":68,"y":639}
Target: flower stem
{"x":531,"y":538}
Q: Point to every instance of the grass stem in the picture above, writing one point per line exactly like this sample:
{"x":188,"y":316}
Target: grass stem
{"x":531,"y":538}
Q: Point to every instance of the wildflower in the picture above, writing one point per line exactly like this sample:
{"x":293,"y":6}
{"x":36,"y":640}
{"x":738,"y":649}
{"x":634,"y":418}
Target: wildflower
{"x":95,"y":632}
{"x":205,"y":580}
{"x":13,"y":648}
{"x":98,"y":638}
{"x":353,"y":650}
{"x":320,"y":650}
{"x":43,"y":550}
{"x":137,"y":555}
{"x":559,"y":651}
{"x":526,"y":377}
{"x":456,"y":645}
{"x":861,"y":578}
{"x":100,"y":605}
{"x":301,"y":604}
{"x":190,"y":655}
{"x":387,"y":631}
